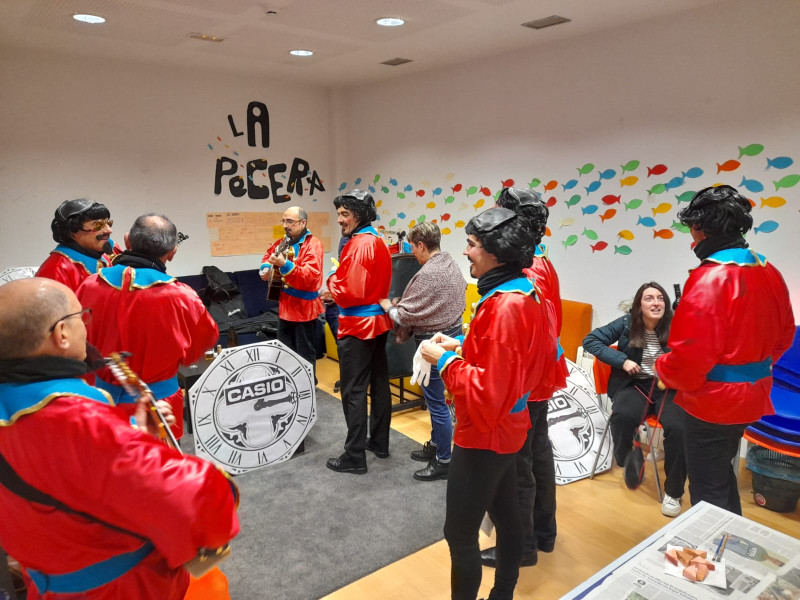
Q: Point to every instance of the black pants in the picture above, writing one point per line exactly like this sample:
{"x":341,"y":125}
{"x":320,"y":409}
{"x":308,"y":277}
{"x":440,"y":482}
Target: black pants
{"x":481,"y":480}
{"x":710,"y":450}
{"x":362,"y":365}
{"x":536,"y":482}
{"x":300,"y":336}
{"x":627,"y":408}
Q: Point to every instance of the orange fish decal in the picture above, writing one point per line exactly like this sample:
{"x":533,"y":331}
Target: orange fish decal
{"x":551,"y":185}
{"x":664,"y":234}
{"x":728,"y":165}
{"x":547,"y":232}
{"x":608,"y":215}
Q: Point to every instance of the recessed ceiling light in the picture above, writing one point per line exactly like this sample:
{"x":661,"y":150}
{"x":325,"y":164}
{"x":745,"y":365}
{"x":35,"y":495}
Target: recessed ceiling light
{"x":390,"y":22}
{"x":301,"y":52}
{"x":93,"y":19}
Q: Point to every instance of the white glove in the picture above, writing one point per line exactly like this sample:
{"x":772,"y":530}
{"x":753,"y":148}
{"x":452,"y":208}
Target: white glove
{"x":422,"y":368}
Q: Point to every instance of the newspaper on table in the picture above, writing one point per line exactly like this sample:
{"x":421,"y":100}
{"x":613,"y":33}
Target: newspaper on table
{"x":760,"y":563}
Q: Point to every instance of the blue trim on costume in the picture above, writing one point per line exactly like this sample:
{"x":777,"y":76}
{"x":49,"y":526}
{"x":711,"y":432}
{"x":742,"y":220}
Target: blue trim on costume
{"x":460,"y":339}
{"x":445,"y":359}
{"x":559,"y":349}
{"x":90,"y":577}
{"x":17,"y":399}
{"x":161,"y":389}
{"x":744,"y":257}
{"x":746,"y":373}
{"x":87,"y":261}
{"x":141,"y":277}
{"x":368,"y":229}
{"x":541,"y":251}
{"x":521,"y":285}
{"x":520,"y":405}
{"x":301,"y":294}
{"x":287,"y":267}
{"x":365,"y":310}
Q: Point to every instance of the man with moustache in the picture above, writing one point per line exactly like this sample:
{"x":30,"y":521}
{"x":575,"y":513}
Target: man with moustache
{"x":140,"y":309}
{"x":299,"y":304}
{"x":95,"y":508}
{"x":359,"y":283}
{"x":82,"y":230}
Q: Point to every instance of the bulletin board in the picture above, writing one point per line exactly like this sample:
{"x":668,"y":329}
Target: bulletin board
{"x":239,"y":233}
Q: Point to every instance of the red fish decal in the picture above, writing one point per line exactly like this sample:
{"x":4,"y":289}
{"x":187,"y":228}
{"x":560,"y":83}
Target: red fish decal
{"x":551,"y":202}
{"x":611,"y":199}
{"x":664,"y":234}
{"x":551,"y":185}
{"x":507,"y":183}
{"x":608,"y":215}
{"x":599,"y":246}
{"x":486,"y":191}
{"x":445,"y":217}
{"x":656,"y":170}
{"x":728,"y":165}
{"x":420,"y":193}
{"x":456,"y":188}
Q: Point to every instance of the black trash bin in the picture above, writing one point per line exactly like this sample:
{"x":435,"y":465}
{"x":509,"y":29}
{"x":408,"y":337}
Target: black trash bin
{"x":776,"y":479}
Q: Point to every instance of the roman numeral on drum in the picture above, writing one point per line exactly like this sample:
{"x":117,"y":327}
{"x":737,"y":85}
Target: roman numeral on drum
{"x":579,"y":466}
{"x":204,"y":420}
{"x":262,"y":458}
{"x":235,"y":458}
{"x":305,"y":394}
{"x":253,"y":354}
{"x":206,"y":390}
{"x":297,"y":371}
{"x":287,"y":444}
{"x":302,"y":419}
{"x":214,"y":443}
{"x":227,"y":366}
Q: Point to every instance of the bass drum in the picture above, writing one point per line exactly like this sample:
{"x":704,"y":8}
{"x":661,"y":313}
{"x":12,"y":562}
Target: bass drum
{"x":400,"y":356}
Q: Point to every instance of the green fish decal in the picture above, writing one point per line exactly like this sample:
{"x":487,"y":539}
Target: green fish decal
{"x":633,"y":204}
{"x":472,"y":190}
{"x":587,"y":168}
{"x":421,"y":219}
{"x":678,"y":226}
{"x":658,"y":188}
{"x":385,"y":189}
{"x":401,"y":195}
{"x":497,"y":195}
{"x":624,"y":250}
{"x":786,"y":182}
{"x":685,"y":196}
{"x":573,"y":201}
{"x":751,"y":150}
{"x":449,"y":199}
{"x":377,"y":179}
{"x":570,"y":241}
{"x":592,"y":235}
{"x":392,"y":222}
{"x":534,"y":183}
{"x":631,"y":165}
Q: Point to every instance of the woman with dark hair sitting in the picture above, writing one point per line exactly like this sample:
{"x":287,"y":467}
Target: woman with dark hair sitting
{"x":641,"y":337}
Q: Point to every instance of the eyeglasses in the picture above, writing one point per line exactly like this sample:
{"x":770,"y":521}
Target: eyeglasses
{"x":85,"y":315}
{"x":98,"y":225}
{"x":289,"y":222}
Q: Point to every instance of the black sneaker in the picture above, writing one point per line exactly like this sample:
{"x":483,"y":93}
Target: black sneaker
{"x":634,"y":471}
{"x":427,"y":454}
{"x":435,"y":470}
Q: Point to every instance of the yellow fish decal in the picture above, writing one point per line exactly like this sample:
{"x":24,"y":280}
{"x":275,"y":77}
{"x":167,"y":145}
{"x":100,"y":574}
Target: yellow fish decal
{"x":378,"y":203}
{"x":410,"y":225}
{"x":430,"y":205}
{"x":773,"y":202}
{"x":662,"y":208}
{"x":479,"y":203}
{"x":446,"y":231}
{"x":630,"y":180}
{"x":566,"y":222}
{"x":625,"y":234}
{"x":460,"y":224}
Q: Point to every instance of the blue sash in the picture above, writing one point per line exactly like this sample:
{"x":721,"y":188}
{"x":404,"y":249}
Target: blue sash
{"x":365,"y":310}
{"x":746,"y":373}
{"x":301,"y":294}
{"x":161,"y":389}
{"x":520,"y":404}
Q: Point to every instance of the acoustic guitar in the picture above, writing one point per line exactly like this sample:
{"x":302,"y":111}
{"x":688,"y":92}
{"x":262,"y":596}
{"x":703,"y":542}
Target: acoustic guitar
{"x":275,"y":282}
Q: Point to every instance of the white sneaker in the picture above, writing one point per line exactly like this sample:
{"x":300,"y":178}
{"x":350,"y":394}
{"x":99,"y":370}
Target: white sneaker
{"x":670,"y":507}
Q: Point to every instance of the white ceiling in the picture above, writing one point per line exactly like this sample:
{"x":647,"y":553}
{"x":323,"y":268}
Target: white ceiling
{"x":348,"y":45}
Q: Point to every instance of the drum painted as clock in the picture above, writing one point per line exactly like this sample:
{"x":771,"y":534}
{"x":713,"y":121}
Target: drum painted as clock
{"x":253,"y":406}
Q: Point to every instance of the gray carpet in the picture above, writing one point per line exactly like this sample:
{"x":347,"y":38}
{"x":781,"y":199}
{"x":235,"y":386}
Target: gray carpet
{"x":308,"y":531}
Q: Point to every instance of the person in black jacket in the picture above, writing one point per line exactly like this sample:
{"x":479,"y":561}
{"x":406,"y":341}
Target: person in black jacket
{"x":641,"y":337}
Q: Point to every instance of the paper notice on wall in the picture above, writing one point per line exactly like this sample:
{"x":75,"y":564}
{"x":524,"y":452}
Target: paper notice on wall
{"x":238,"y":233}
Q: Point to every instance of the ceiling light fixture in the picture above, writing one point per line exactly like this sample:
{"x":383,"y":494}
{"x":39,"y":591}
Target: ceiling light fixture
{"x":205,"y":37}
{"x":546,"y":22}
{"x":91,"y":19}
{"x":390,"y":22}
{"x":301,"y":52}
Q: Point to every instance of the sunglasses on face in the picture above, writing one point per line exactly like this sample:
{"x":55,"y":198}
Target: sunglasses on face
{"x":98,"y":225}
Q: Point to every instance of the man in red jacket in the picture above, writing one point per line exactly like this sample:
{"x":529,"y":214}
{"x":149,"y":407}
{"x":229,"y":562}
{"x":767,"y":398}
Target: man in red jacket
{"x":358,"y":284}
{"x":94,"y":508}
{"x":140,"y":309}
{"x":82,"y":229}
{"x":300,"y":278}
{"x":733,"y":322}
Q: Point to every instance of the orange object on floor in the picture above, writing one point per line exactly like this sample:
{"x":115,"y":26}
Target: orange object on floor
{"x":211,"y":586}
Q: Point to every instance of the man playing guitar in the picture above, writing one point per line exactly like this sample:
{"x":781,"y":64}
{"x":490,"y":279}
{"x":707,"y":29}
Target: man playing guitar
{"x":301,"y":278}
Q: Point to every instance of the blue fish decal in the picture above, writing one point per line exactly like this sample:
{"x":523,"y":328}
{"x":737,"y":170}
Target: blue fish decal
{"x":436,"y":192}
{"x":589,"y":210}
{"x":693,"y":173}
{"x":371,"y":189}
{"x":235,"y":153}
{"x":752,"y":185}
{"x":210,"y":147}
{"x":675,"y":182}
{"x":646,"y":221}
{"x":393,"y":182}
{"x":607,"y":174}
{"x":766,"y":227}
{"x":408,"y":188}
{"x":594,"y":186}
{"x":357,"y":181}
{"x":779,"y":162}
{"x":342,"y":186}
{"x":401,"y":215}
{"x":570,"y":184}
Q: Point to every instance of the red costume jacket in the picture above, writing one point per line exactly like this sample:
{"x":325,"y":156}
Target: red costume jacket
{"x":733,"y":322}
{"x":360,"y":282}
{"x":70,"y":267}
{"x":62,"y":438}
{"x":302,"y":279}
{"x":160,"y":321}
{"x":501,"y":362}
{"x":546,"y":280}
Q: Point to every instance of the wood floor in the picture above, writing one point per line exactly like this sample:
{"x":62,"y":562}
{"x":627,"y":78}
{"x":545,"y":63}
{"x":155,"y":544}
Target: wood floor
{"x":598,"y":520}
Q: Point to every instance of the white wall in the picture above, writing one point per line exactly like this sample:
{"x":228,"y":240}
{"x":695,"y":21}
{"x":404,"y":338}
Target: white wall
{"x":135,"y":137}
{"x":684,"y":91}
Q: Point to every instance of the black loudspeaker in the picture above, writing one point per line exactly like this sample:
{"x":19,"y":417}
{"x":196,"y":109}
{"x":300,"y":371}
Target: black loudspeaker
{"x":400,"y":356}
